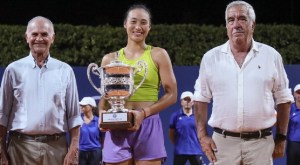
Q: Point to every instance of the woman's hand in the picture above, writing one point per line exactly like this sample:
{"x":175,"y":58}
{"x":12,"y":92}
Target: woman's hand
{"x":100,"y":120}
{"x":139,"y":116}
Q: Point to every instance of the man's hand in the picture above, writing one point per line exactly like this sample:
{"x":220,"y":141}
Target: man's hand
{"x":72,"y":156}
{"x":209,"y":148}
{"x":3,"y":153}
{"x":3,"y":157}
{"x":279,"y":148}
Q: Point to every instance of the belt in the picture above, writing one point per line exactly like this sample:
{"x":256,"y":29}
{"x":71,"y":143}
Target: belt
{"x":37,"y":138}
{"x":246,"y":135}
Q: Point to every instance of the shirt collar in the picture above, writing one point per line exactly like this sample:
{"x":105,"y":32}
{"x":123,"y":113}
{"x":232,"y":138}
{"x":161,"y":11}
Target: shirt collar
{"x":182,"y":113}
{"x":295,"y":107}
{"x":225,"y":48}
{"x":94,"y":118}
{"x":33,"y":61}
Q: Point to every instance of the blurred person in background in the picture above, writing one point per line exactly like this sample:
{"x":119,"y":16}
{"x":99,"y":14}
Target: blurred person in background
{"x":91,"y":139}
{"x":183,"y":133}
{"x":293,"y":136}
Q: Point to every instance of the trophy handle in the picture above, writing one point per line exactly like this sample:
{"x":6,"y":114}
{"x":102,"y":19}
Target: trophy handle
{"x":94,"y":68}
{"x":140,"y":65}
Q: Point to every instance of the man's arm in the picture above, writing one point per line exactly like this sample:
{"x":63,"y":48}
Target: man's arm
{"x":207,"y":144}
{"x":200,"y":112}
{"x":3,"y":132}
{"x":3,"y":151}
{"x":74,"y":133}
{"x":283,"y":112}
{"x":72,"y":155}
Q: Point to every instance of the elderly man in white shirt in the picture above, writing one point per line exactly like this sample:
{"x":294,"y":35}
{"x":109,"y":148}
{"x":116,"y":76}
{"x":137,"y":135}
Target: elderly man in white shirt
{"x":248,"y":85}
{"x":39,"y":104}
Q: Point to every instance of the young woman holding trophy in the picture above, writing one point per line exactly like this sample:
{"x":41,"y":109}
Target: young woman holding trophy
{"x":143,"y":143}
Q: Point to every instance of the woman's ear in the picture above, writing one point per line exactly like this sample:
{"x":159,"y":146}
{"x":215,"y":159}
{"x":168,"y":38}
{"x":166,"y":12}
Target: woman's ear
{"x":124,"y":25}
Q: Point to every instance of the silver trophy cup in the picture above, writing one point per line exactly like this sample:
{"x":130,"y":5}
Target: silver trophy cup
{"x":116,"y":85}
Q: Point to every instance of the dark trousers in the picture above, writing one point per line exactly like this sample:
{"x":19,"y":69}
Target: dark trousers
{"x":90,"y":157}
{"x":293,"y":153}
{"x":182,"y":159}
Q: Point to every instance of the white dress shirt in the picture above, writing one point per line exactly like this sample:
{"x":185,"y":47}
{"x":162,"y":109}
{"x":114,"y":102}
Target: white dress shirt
{"x":244,"y":99}
{"x":39,"y":100}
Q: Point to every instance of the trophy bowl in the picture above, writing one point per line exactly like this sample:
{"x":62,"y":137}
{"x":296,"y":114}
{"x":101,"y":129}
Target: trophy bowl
{"x":116,"y":85}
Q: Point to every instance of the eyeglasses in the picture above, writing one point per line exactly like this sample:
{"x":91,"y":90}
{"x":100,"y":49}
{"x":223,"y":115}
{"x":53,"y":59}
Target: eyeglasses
{"x":298,"y":92}
{"x":187,"y":99}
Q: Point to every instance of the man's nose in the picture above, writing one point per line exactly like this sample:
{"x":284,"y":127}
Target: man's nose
{"x":236,"y":23}
{"x":39,"y":37}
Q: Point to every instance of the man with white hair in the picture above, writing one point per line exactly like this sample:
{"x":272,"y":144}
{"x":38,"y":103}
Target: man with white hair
{"x":39,"y":104}
{"x":247,"y":82}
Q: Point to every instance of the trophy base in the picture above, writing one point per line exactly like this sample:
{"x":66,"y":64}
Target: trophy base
{"x":117,"y":120}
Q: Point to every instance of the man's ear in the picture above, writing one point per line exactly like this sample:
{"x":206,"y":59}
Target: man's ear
{"x":26,"y":38}
{"x":53,"y":38}
{"x":253,"y":26}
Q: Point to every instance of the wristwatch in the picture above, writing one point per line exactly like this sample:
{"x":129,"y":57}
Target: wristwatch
{"x":280,"y":136}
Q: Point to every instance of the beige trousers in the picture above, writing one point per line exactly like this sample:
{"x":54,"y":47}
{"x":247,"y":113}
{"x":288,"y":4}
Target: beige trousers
{"x":29,"y":152}
{"x":236,"y":151}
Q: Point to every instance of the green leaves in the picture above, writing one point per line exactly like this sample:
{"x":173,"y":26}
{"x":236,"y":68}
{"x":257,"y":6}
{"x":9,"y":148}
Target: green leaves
{"x":185,"y":43}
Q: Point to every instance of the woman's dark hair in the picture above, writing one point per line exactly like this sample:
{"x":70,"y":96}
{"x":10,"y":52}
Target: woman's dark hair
{"x":95,"y":111}
{"x":138,"y":6}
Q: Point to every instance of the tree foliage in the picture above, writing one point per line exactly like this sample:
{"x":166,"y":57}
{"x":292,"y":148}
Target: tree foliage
{"x":185,"y":43}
